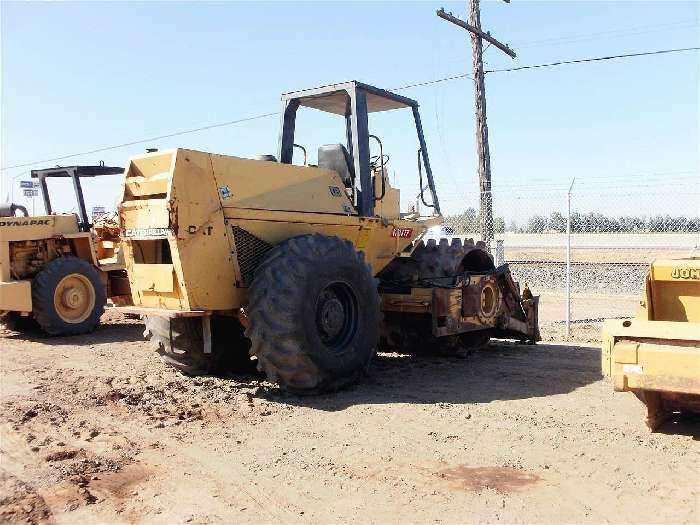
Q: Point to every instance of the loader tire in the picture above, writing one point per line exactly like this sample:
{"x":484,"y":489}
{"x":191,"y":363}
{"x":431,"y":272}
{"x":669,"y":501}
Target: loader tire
{"x":313,"y":314}
{"x":68,"y":297}
{"x":431,"y":264}
{"x":180,"y":344}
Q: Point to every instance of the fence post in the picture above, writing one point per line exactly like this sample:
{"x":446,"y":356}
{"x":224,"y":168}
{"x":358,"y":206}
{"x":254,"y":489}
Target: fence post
{"x":500,"y":253}
{"x":568,"y":259}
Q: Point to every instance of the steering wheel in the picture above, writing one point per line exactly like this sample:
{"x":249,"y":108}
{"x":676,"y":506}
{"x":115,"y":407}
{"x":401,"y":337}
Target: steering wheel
{"x":375,"y":161}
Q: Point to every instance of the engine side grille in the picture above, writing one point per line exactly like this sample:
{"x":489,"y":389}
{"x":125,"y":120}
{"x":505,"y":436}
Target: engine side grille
{"x":250,"y":251}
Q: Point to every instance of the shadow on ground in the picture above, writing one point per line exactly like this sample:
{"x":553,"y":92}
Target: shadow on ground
{"x":501,"y":372}
{"x":683,"y":423}
{"x":105,"y":333}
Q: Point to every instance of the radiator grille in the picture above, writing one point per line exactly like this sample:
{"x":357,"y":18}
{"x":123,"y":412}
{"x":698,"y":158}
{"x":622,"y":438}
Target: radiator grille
{"x":249,"y":252}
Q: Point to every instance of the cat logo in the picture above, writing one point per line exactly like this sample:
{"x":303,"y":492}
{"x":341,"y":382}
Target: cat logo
{"x":147,"y":232}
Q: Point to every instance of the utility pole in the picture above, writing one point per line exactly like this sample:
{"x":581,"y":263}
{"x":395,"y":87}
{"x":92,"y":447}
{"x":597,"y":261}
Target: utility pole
{"x":482,"y":130}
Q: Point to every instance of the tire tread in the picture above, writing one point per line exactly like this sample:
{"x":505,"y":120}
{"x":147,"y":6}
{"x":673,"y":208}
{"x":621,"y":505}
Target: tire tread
{"x":274,"y":329}
{"x":43,"y":289}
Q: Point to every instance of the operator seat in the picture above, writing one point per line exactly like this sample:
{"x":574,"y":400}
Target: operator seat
{"x":336,"y":157}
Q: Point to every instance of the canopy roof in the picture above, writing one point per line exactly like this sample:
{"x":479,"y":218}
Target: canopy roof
{"x":80,"y":171}
{"x":334,"y":98}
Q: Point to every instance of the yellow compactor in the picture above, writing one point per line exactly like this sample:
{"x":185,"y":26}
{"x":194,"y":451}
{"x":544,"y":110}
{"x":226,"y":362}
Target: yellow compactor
{"x":656,"y":355}
{"x":306,"y":268}
{"x":58,"y":269}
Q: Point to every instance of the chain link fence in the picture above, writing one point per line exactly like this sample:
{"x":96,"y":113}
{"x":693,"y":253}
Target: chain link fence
{"x":586,"y":253}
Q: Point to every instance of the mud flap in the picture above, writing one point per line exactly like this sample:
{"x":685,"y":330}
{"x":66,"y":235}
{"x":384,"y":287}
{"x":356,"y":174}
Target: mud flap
{"x":206,"y":334}
{"x":656,"y":414}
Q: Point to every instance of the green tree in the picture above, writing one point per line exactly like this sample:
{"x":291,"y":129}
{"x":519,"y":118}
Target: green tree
{"x":557,"y":222}
{"x":536,"y":224}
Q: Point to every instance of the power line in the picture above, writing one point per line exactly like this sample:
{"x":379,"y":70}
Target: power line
{"x":602,"y":35}
{"x":142,"y":141}
{"x":195,"y":130}
{"x":437,"y":80}
{"x":265,"y":115}
{"x":595,"y":59}
{"x":577,"y":61}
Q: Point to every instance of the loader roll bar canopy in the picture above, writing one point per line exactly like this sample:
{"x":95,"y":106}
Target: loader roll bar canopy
{"x":75,"y":173}
{"x":354,"y":101}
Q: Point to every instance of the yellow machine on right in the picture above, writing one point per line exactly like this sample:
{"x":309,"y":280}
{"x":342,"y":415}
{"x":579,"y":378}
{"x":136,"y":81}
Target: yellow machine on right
{"x":656,"y":355}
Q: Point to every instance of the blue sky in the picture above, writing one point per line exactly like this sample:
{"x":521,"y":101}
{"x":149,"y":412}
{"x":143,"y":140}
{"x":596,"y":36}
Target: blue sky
{"x":78,"y":76}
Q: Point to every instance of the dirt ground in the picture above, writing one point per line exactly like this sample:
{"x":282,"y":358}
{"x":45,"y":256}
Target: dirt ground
{"x":95,"y":429}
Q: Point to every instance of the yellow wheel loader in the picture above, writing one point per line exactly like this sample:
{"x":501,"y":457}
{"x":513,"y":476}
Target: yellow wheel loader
{"x":656,"y":355}
{"x":308,"y":269}
{"x":55,"y":269}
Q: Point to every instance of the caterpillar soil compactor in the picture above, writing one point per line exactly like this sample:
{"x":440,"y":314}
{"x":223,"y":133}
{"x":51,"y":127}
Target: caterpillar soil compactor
{"x":59,"y":269}
{"x":656,"y":355}
{"x":307,"y":269}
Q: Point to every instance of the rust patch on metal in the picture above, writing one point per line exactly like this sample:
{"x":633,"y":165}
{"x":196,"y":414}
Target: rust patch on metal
{"x":172,"y":216}
{"x":501,"y":479}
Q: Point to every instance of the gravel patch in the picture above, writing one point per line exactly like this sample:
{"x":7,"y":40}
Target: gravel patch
{"x":590,"y":277}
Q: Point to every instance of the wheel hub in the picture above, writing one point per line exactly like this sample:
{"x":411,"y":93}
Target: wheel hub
{"x":332,"y":315}
{"x":490,"y":299}
{"x":74,"y":298}
{"x":336,"y":315}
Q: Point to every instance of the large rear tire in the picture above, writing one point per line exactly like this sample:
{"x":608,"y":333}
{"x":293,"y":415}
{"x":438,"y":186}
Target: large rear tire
{"x":68,"y":297}
{"x":313,"y":314}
